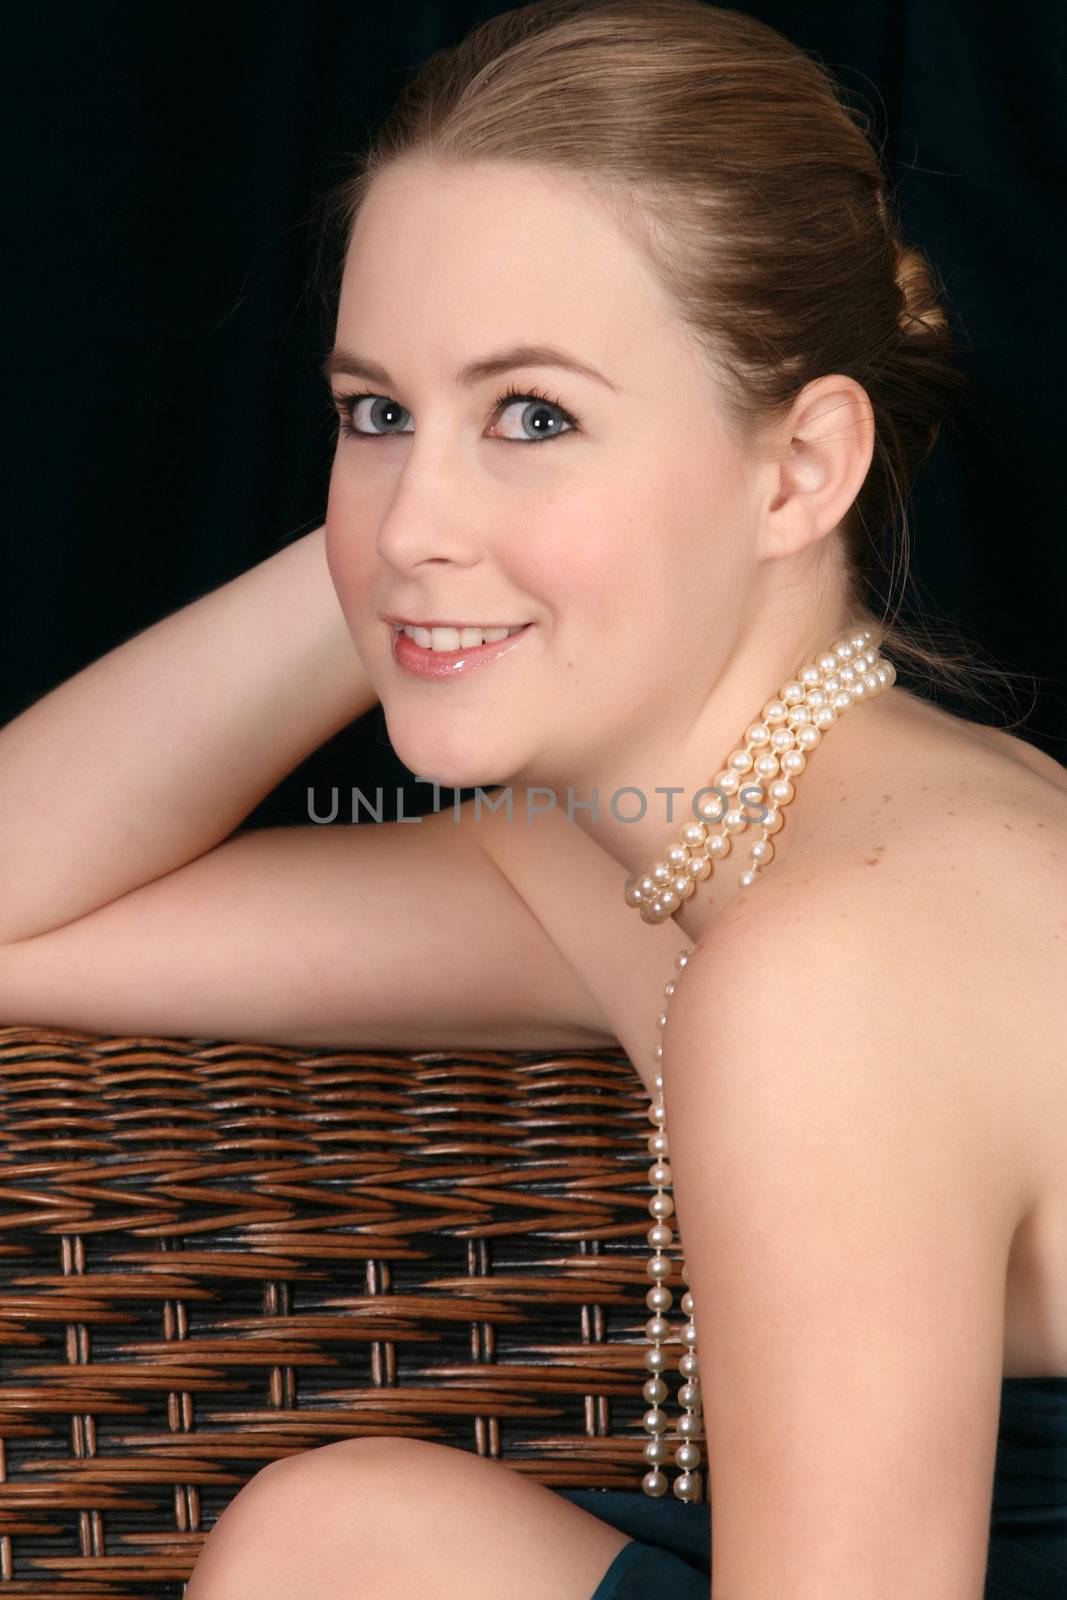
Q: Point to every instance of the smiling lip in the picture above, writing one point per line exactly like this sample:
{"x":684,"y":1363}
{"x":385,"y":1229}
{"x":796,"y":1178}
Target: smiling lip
{"x":425,"y":663}
{"x":412,"y":622}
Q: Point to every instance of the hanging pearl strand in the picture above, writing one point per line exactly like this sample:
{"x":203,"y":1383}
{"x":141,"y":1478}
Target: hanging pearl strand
{"x":775,"y":752}
{"x":791,"y":725}
{"x":688,"y":1484}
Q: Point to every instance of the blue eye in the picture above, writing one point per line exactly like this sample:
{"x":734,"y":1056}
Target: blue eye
{"x":382,"y":411}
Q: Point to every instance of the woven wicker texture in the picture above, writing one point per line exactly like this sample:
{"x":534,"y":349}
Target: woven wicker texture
{"x":214,"y":1254}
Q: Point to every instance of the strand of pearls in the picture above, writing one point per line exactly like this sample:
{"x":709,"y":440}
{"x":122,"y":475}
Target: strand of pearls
{"x":791,"y":725}
{"x":688,"y":1484}
{"x":775,"y":752}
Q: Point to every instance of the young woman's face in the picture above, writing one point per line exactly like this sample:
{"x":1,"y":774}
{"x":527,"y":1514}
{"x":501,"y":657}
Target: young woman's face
{"x":610,"y":517}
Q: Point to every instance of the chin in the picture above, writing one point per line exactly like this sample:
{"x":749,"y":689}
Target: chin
{"x":437,"y":753}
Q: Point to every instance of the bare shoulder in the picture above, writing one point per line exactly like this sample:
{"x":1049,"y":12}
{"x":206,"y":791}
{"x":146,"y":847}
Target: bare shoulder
{"x":930,"y":910}
{"x":953,"y":827}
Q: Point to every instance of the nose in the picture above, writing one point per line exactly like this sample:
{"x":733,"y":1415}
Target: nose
{"x":430,"y":518}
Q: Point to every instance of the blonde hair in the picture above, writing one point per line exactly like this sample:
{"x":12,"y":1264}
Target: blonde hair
{"x":733,"y":160}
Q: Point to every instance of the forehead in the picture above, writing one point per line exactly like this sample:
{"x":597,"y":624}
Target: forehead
{"x":448,"y":261}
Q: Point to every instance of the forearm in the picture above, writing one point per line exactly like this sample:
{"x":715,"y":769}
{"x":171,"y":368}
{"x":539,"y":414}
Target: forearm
{"x":153,"y":754}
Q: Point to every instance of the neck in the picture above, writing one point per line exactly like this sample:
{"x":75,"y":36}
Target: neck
{"x":692,"y":745}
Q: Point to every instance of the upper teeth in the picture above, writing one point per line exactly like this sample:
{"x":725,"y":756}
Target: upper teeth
{"x":458,"y":638}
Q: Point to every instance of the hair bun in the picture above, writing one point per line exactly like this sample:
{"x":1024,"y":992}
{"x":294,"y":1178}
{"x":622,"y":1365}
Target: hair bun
{"x":919,"y":308}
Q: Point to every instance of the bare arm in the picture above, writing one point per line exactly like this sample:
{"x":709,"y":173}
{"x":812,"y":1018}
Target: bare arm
{"x":151,"y":755}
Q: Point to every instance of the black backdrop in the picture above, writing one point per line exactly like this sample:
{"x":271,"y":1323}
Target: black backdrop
{"x":164,"y":424}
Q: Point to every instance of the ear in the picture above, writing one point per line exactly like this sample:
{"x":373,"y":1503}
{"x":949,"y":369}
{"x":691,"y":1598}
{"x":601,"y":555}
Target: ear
{"x":815,"y":461}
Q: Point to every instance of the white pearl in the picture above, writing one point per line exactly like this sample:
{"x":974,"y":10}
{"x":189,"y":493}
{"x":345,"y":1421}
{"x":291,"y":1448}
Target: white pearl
{"x":767,"y":764}
{"x":792,"y":692}
{"x":660,"y":1206}
{"x":659,"y":1298}
{"x":657,"y":1329}
{"x":808,"y":738}
{"x":748,"y":878}
{"x":762,"y":850}
{"x":660,"y":874}
{"x":712,"y":807}
{"x":842,"y":649}
{"x":660,"y":1235}
{"x":690,"y":1426}
{"x":658,"y":1267}
{"x":687,"y":1455}
{"x":678,"y":855}
{"x":782,"y":738}
{"x":729,"y":782}
{"x":695,"y":833}
{"x":847,"y":673}
{"x":634,"y":897}
{"x":683,"y":886}
{"x":842,"y":699}
{"x":810,"y":676}
{"x":757,"y":733}
{"x":686,"y":1303}
{"x":654,"y":1483}
{"x":826,"y":663}
{"x":654,"y":1421}
{"x":656,"y":1113}
{"x":794,"y":761}
{"x":659,"y":1174}
{"x":772,"y":817}
{"x":657,"y":1144}
{"x":782,"y":791}
{"x":689,"y":1395}
{"x":774,"y":712}
{"x":824,"y":717}
{"x":657,"y":1449}
{"x":688,"y":1365}
{"x":687,"y":1486}
{"x":661,"y":1020}
{"x":739,"y":761}
{"x":668,"y":899}
{"x":656,"y":1359}
{"x":689,"y":1335}
{"x":698,"y":867}
{"x":718,"y":846}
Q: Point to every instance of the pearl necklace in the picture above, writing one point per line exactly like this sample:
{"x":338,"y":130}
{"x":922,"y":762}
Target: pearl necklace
{"x":790,"y":725}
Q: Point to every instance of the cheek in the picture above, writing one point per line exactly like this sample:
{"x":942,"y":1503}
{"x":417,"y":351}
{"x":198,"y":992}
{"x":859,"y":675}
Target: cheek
{"x":350,"y":544}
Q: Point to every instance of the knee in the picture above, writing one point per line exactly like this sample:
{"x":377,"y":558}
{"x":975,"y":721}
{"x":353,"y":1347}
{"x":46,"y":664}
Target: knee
{"x":296,"y":1506}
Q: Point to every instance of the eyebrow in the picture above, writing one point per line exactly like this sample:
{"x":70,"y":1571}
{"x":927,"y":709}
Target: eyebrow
{"x":347,"y":363}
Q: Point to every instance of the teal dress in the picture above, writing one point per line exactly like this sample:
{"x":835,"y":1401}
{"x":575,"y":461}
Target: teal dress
{"x":668,"y":1549}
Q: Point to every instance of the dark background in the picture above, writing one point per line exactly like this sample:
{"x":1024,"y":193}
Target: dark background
{"x":164,"y":423}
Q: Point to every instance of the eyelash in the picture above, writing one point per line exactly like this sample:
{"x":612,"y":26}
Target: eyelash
{"x":345,"y":404}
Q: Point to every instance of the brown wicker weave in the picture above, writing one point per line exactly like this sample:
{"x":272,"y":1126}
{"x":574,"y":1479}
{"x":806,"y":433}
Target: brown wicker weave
{"x":215,"y":1254}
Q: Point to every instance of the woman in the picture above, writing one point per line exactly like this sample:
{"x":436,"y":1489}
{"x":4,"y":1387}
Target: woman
{"x":630,"y":360}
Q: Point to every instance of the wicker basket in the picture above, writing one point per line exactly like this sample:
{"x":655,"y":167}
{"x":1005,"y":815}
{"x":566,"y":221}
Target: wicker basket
{"x":214,"y":1254}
